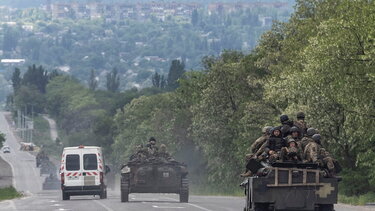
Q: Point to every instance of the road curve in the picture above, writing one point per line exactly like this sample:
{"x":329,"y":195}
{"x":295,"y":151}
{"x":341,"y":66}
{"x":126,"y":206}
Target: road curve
{"x":27,"y":179}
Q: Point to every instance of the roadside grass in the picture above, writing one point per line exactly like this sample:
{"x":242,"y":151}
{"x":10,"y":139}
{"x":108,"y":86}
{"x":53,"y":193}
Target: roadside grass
{"x":358,"y":200}
{"x":9,"y":193}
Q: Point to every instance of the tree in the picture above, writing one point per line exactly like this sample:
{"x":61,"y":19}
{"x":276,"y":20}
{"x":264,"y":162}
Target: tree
{"x":2,"y":139}
{"x":158,"y":81}
{"x":176,"y":71}
{"x":36,"y":76}
{"x":16,"y":79}
{"x":93,"y":83}
{"x":113,"y":81}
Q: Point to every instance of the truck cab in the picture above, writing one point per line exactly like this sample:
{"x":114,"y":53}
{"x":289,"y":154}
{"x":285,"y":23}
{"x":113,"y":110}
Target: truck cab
{"x":82,"y":172}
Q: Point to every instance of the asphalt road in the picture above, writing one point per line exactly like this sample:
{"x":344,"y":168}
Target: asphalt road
{"x":27,"y":179}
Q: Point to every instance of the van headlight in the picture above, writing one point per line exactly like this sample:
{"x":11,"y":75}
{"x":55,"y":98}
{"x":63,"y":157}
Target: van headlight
{"x":125,"y":170}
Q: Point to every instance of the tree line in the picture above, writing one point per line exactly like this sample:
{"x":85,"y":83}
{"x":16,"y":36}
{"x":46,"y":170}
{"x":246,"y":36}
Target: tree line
{"x":320,"y":62}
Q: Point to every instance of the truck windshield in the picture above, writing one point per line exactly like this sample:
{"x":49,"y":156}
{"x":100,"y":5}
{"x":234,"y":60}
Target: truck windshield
{"x":72,"y":162}
{"x":90,"y":162}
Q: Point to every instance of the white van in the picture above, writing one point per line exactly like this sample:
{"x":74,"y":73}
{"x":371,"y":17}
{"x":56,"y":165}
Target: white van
{"x":82,"y":172}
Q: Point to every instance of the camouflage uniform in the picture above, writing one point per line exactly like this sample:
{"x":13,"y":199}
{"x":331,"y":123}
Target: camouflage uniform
{"x":327,"y":160}
{"x":311,"y":152}
{"x":254,"y":148}
{"x":291,"y":153}
{"x":307,"y":139}
{"x":163,"y":154}
{"x":300,"y":123}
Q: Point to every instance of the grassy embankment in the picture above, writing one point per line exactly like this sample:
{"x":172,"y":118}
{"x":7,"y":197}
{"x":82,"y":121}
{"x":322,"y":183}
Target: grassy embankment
{"x":9,"y":193}
{"x":358,"y":200}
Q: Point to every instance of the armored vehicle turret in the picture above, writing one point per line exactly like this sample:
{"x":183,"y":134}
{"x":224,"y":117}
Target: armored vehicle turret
{"x":154,"y":175}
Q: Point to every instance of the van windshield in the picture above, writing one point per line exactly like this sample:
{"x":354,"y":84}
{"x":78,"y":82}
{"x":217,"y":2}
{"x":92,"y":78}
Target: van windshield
{"x":90,"y":162}
{"x":72,"y":162}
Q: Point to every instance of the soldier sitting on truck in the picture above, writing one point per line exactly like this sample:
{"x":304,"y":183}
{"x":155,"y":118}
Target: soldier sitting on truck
{"x":292,"y":152}
{"x":151,"y":147}
{"x":274,"y":144}
{"x":139,"y":155}
{"x":259,"y":142}
{"x":301,"y":123}
{"x":286,"y":124}
{"x":308,"y":138}
{"x":163,"y":154}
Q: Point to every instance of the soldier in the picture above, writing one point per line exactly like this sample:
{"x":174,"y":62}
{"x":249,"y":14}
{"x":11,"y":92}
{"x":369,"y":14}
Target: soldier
{"x":257,"y":148}
{"x":295,"y":133}
{"x":312,"y":149}
{"x":300,"y":123}
{"x":140,"y":154}
{"x":292,"y":152}
{"x":286,"y":124}
{"x":164,"y":154}
{"x":327,"y":161}
{"x":151,"y":147}
{"x":259,"y":142}
{"x":274,"y":144}
{"x":308,"y":138}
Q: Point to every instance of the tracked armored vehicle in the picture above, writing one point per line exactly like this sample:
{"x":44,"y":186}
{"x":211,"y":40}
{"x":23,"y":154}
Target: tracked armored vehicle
{"x":289,"y":186}
{"x":154,"y":176}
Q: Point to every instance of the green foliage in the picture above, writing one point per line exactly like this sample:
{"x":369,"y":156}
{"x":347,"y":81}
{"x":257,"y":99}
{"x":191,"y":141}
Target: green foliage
{"x":93,"y":83}
{"x":2,"y":140}
{"x":35,"y":76}
{"x":358,"y":200}
{"x":113,"y":81}
{"x":16,"y":79}
{"x":9,"y":193}
{"x":321,"y":62}
{"x":176,"y":71}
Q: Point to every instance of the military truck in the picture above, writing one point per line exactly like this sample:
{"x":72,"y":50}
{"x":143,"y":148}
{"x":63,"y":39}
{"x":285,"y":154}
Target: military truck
{"x":289,"y":186}
{"x":154,"y":176}
{"x":40,"y":158}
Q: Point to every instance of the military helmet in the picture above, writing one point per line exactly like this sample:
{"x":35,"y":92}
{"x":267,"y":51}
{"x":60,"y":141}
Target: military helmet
{"x":294,"y":129}
{"x":300,"y":115}
{"x":291,"y":140}
{"x":267,"y":129}
{"x":284,"y":118}
{"x":311,"y":131}
{"x":316,"y":137}
{"x":152,"y":139}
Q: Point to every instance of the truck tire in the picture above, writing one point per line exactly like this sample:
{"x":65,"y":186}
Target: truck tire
{"x":184,"y":190}
{"x":103,"y":194}
{"x":326,"y":207}
{"x":65,"y":196}
{"x":261,"y":207}
{"x":125,"y":191}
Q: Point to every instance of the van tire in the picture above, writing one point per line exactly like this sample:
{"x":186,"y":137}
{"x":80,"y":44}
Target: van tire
{"x":65,"y":196}
{"x":125,"y":191}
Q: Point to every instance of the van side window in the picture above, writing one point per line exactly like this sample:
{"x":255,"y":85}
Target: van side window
{"x":72,"y":162}
{"x":90,"y":162}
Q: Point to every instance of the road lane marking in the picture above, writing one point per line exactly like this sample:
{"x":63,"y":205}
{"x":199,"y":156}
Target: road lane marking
{"x":165,"y":207}
{"x":193,"y":205}
{"x":199,"y":207}
{"x":103,"y":205}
